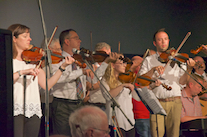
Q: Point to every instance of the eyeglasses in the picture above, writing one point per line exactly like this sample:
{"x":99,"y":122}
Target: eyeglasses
{"x":121,"y":62}
{"x":106,"y":131}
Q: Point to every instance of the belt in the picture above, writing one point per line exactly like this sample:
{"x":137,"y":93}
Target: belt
{"x":169,"y":99}
{"x":96,"y":104}
{"x":67,"y":100}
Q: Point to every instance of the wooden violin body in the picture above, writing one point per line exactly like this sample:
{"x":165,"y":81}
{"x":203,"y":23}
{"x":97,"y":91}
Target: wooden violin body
{"x":143,"y":80}
{"x":164,"y":56}
{"x":34,"y":55}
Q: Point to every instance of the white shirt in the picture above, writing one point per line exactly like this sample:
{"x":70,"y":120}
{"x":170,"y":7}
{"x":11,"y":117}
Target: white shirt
{"x":96,"y":95}
{"x":66,"y":85}
{"x":204,"y":75}
{"x":124,"y":99}
{"x":32,"y":92}
{"x":170,"y":77}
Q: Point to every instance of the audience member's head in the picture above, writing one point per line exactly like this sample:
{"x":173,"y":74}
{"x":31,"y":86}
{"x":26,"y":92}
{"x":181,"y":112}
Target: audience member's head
{"x":89,"y":121}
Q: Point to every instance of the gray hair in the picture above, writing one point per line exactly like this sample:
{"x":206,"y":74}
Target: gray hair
{"x":101,"y":45}
{"x":84,"y":118}
{"x":43,"y":45}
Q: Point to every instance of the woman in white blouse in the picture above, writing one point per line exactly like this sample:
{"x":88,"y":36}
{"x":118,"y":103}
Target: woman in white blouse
{"x":120,"y":92}
{"x":27,"y":115}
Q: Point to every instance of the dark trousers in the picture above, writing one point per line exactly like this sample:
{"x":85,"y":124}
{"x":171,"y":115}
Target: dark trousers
{"x":26,"y":127}
{"x":42,"y":125}
{"x":130,"y":133}
{"x":61,"y":110}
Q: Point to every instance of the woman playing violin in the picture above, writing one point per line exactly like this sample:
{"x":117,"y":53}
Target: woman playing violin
{"x":120,"y":92}
{"x":171,"y":75}
{"x":27,"y":116}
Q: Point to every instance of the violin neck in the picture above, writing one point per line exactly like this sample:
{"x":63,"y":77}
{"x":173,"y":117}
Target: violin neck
{"x":182,"y":57}
{"x":146,"y":78}
{"x":56,"y":55}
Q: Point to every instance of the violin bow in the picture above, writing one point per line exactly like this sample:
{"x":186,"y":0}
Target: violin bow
{"x":181,"y":44}
{"x":144,"y":56}
{"x":48,"y":44}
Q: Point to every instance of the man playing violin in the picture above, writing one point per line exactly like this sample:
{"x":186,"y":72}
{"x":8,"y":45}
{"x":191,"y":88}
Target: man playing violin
{"x":96,"y":98}
{"x":70,"y":90}
{"x":191,"y":108}
{"x":200,"y":70}
{"x":171,"y":75}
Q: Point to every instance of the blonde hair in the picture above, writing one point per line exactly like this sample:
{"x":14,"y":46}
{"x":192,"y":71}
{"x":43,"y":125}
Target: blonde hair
{"x":110,"y":77}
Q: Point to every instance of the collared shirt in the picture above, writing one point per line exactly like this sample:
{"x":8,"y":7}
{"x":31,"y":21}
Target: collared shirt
{"x":124,"y":99}
{"x":96,"y":95}
{"x":190,"y":107}
{"x":66,"y":85}
{"x":203,"y":75}
{"x":170,"y":76}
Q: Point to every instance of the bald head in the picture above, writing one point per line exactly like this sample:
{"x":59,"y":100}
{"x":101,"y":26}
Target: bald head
{"x":87,"y":118}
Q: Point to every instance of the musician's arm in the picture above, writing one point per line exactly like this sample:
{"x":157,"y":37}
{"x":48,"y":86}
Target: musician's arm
{"x":184,"y":78}
{"x":189,"y":118}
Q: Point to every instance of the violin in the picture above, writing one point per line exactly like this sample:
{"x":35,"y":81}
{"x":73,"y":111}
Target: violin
{"x":100,"y":56}
{"x":197,"y":50}
{"x":35,"y":54}
{"x":164,"y":56}
{"x":142,"y":80}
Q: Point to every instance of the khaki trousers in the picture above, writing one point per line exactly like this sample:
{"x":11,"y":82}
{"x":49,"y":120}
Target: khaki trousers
{"x":170,"y":123}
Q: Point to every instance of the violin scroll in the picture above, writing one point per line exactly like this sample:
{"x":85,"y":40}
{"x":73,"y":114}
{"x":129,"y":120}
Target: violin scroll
{"x":196,"y":51}
{"x":166,"y":86}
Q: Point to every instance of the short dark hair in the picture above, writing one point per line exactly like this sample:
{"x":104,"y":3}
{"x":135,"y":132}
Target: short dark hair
{"x":160,"y":30}
{"x":63,"y":35}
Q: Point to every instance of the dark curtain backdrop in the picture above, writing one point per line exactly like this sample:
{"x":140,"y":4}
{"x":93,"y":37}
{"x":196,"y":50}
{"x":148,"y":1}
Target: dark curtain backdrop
{"x":132,"y":22}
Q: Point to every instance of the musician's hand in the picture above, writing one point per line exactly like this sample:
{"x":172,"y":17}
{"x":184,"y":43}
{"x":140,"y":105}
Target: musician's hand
{"x":155,"y":84}
{"x":190,"y":63}
{"x":87,"y":97}
{"x":88,"y":73}
{"x":113,"y":56}
{"x":204,"y":50}
{"x":159,"y":69}
{"x":129,"y":86}
{"x":31,"y":71}
{"x":68,"y":60}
